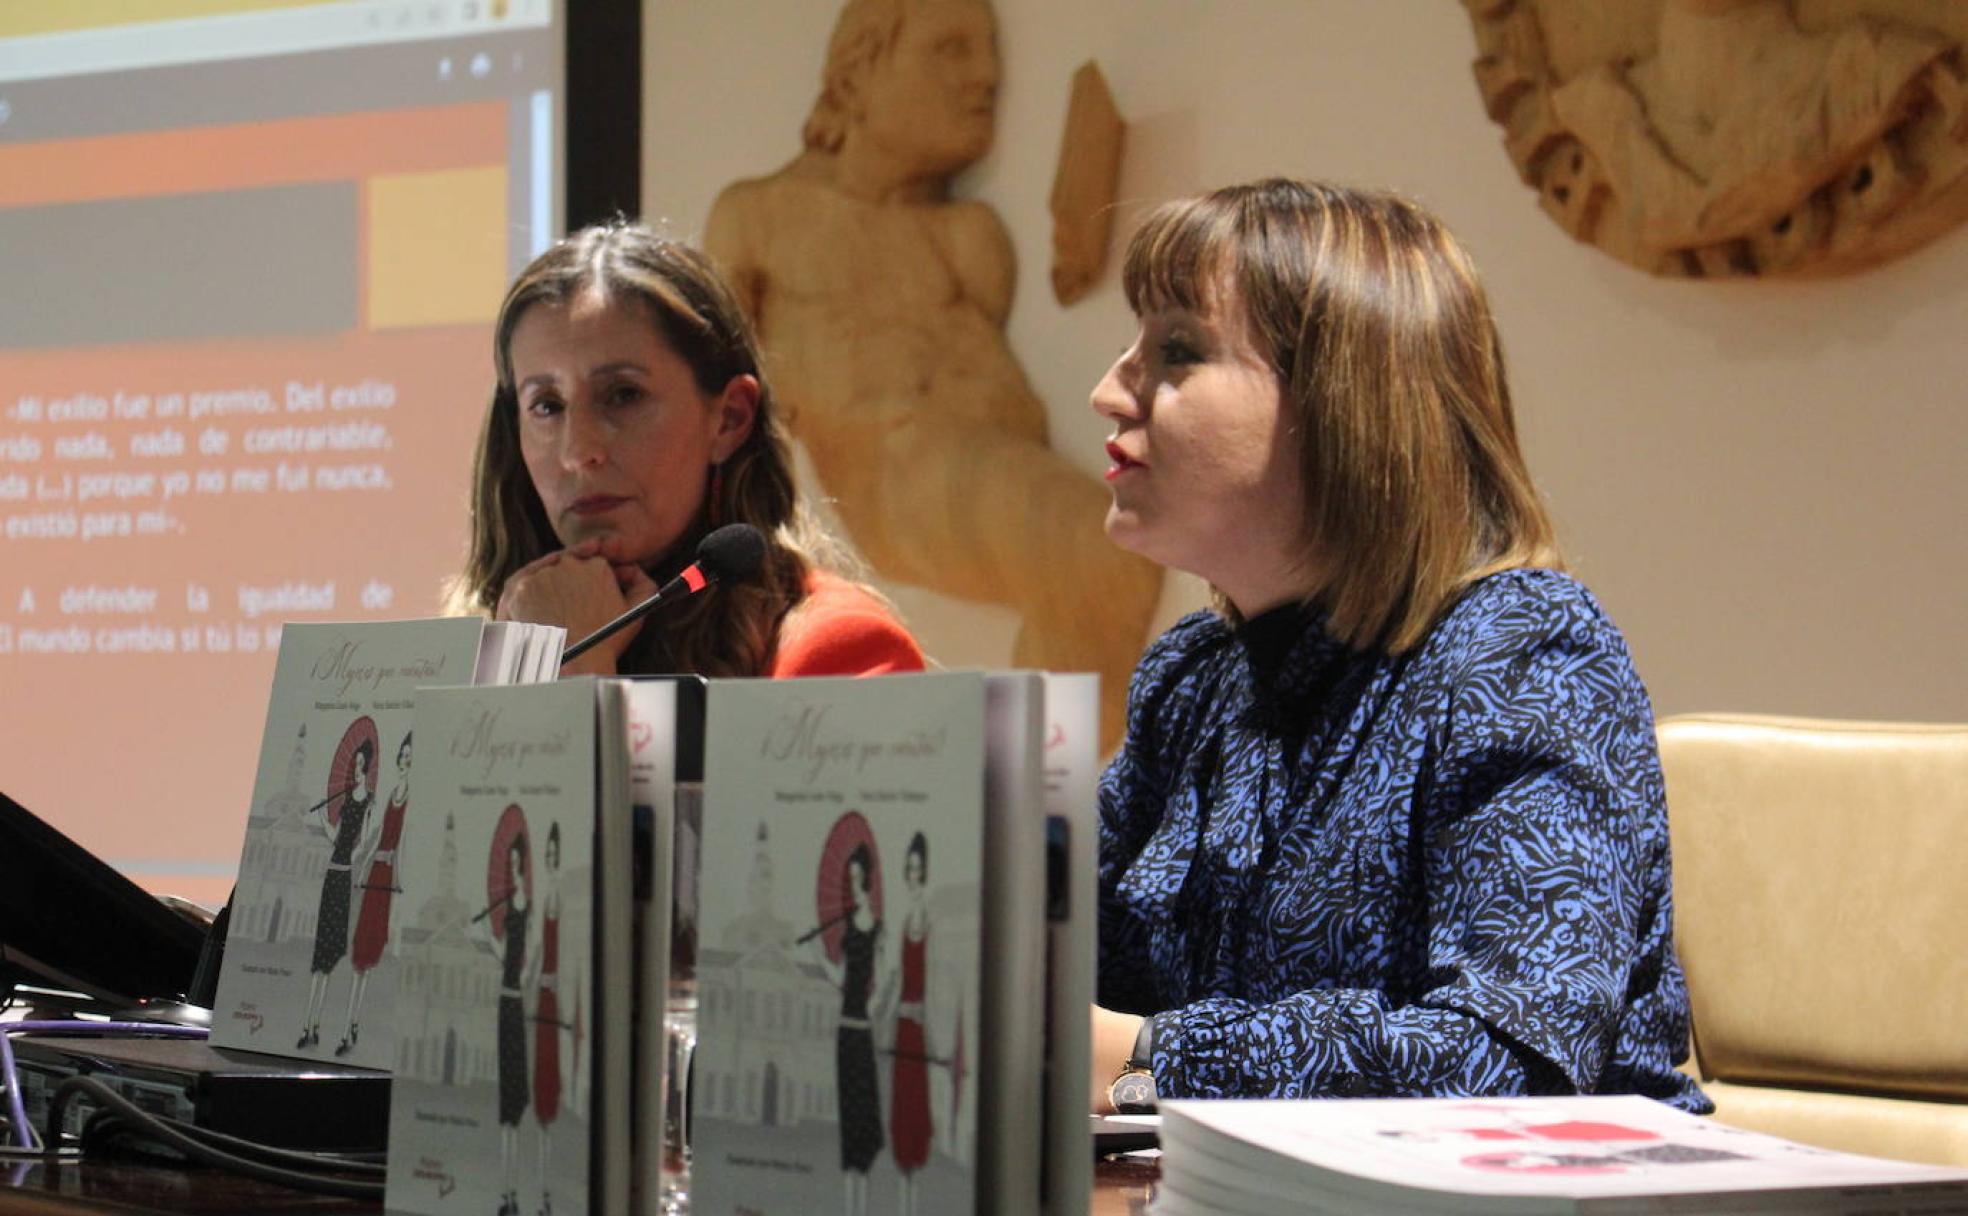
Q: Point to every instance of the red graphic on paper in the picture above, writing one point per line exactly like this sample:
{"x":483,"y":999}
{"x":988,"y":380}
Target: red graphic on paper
{"x":1574,"y":1130}
{"x":1532,"y":1159}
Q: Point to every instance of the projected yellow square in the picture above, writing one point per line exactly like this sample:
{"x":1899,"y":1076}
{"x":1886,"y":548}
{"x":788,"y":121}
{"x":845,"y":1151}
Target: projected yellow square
{"x":437,"y":247}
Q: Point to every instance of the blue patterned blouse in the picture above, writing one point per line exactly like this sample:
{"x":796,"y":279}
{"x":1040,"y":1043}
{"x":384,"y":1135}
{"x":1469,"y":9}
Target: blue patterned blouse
{"x":1445,"y":873}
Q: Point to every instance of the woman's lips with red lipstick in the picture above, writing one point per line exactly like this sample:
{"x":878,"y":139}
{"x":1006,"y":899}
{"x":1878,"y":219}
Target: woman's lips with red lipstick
{"x":1122,"y":462}
{"x":596,"y":504}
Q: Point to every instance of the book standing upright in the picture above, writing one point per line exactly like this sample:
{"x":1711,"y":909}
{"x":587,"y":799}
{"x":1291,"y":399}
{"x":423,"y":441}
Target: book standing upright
{"x":513,"y":1070}
{"x":307,"y":970}
{"x":873,"y":950}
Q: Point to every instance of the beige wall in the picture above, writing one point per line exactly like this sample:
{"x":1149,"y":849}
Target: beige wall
{"x":1764,"y":483}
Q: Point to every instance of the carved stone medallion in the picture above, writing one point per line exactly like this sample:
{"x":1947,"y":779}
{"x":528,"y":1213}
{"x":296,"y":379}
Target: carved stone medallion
{"x":1734,"y":137}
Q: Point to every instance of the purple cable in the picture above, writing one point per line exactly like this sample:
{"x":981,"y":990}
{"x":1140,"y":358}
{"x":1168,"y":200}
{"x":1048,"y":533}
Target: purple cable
{"x":16,"y":1109}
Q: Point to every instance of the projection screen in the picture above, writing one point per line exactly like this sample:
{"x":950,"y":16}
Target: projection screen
{"x":250,"y":253}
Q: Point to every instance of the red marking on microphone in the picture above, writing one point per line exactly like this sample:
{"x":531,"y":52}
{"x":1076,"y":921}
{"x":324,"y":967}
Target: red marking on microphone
{"x":694,"y":579}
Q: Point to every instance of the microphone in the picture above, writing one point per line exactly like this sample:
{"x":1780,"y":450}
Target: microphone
{"x":735,"y":551}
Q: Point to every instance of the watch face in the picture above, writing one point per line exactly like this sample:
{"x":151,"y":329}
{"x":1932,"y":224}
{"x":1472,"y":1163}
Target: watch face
{"x":1133,"y":1093}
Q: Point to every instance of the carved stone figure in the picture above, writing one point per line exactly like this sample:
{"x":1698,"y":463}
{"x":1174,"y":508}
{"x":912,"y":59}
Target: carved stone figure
{"x":1734,"y":137}
{"x":881,"y":302}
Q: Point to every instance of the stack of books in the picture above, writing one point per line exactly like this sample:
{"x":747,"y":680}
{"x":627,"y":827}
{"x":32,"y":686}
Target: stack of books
{"x":1514,"y":1155}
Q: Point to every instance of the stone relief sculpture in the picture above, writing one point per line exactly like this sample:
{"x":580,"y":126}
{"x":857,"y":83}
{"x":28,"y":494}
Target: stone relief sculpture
{"x":1086,"y":185}
{"x":1734,"y":137}
{"x":881,"y":302}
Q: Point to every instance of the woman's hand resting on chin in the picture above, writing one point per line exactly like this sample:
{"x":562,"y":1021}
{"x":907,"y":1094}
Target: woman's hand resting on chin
{"x":580,"y":590}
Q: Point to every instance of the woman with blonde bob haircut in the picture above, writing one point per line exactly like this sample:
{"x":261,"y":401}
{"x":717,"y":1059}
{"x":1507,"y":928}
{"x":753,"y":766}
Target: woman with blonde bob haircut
{"x":1389,"y":820}
{"x":631,"y":415}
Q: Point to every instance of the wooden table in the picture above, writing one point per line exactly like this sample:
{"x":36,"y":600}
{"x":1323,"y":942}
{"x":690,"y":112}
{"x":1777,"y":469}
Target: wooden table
{"x":1121,"y":1188}
{"x":68,"y":1188}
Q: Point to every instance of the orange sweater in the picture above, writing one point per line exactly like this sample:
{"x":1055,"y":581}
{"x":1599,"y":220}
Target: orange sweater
{"x":841,"y":630}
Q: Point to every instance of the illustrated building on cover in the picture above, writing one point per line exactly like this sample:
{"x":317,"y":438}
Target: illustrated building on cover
{"x":281,"y":849}
{"x":441,"y":983}
{"x":777,"y":1067}
{"x":772,"y":1070}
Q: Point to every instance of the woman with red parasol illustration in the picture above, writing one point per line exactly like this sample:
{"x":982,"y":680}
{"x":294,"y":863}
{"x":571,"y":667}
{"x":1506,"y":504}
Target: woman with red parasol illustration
{"x":909,"y":1123}
{"x":344,"y":815}
{"x":849,"y":941}
{"x":509,"y":888}
{"x":546,"y":1012}
{"x":372,"y":921}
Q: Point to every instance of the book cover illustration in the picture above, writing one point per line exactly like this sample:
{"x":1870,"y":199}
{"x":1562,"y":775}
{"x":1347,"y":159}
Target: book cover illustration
{"x":489,"y":1112}
{"x":306,"y":969}
{"x":839,"y":960}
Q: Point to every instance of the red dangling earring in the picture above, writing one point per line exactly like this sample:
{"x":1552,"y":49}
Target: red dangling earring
{"x":717,"y":493}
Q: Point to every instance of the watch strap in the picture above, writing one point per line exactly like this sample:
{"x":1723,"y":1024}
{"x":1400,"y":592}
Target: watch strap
{"x":1143,"y":1055}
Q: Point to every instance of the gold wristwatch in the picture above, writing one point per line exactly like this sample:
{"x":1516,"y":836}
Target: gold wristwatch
{"x":1133,"y":1091}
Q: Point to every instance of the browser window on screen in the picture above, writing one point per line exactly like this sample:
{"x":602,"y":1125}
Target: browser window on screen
{"x":251,"y":251}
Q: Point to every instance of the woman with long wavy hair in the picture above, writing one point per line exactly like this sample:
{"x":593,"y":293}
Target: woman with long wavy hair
{"x":631,"y":416}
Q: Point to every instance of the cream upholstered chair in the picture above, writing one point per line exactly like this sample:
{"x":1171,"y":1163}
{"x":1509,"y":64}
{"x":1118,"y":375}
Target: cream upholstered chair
{"x":1821,"y":912}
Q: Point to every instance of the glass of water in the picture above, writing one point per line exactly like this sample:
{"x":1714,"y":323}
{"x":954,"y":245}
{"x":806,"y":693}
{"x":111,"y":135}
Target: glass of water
{"x":680,"y":1010}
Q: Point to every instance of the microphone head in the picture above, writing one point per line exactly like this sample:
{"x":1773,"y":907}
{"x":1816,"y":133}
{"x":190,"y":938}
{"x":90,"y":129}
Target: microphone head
{"x":734,"y":552}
